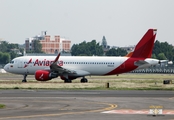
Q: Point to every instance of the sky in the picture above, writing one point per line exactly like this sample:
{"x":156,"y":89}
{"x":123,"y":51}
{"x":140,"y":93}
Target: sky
{"x":122,"y":22}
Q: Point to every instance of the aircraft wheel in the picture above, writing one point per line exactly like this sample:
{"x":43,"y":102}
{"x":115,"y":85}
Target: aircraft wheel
{"x":84,"y":80}
{"x":24,"y":80}
{"x":70,"y":81}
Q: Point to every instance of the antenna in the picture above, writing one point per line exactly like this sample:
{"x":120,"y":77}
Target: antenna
{"x":44,"y":33}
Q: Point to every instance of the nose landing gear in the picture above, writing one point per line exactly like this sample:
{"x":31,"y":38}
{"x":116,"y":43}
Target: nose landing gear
{"x":24,"y":80}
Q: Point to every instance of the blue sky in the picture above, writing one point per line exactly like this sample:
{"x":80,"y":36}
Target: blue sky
{"x":123,"y":22}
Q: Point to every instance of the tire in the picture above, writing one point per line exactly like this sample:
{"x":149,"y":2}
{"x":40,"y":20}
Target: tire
{"x":84,"y":80}
{"x":24,"y":80}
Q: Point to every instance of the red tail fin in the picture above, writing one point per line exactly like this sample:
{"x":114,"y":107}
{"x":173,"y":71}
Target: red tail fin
{"x":145,"y":46}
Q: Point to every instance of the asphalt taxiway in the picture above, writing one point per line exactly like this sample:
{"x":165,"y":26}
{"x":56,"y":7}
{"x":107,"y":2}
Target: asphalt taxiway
{"x":84,"y":104}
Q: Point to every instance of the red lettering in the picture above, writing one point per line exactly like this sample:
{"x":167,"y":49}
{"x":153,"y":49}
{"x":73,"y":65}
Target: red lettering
{"x":46,"y":63}
{"x":40,"y":63}
{"x":36,"y":63}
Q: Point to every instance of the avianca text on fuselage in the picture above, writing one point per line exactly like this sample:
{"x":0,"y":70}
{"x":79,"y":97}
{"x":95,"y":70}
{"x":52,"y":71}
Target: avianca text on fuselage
{"x":44,"y":62}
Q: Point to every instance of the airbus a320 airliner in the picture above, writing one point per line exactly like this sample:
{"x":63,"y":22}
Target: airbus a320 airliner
{"x":71,"y":67}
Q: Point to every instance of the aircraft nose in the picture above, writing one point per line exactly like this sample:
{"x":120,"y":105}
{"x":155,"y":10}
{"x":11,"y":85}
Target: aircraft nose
{"x":6,"y":67}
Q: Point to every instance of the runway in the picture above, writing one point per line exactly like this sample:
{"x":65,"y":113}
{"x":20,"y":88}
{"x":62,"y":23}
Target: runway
{"x":84,"y":104}
{"x":85,"y":93}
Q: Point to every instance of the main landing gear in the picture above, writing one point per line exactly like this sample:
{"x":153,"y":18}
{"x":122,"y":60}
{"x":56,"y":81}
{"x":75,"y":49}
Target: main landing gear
{"x":24,"y":80}
{"x":84,"y":80}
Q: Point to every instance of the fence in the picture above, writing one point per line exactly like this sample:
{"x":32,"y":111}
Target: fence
{"x":167,"y":70}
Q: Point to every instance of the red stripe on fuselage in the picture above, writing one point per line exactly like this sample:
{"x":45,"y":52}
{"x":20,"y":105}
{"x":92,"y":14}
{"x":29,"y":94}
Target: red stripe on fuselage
{"x":126,"y":66}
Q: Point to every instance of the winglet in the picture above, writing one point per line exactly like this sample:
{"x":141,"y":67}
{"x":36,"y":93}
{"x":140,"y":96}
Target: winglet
{"x":57,"y":58}
{"x":145,"y":46}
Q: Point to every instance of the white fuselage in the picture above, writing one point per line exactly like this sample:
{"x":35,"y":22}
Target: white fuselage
{"x":94,"y":65}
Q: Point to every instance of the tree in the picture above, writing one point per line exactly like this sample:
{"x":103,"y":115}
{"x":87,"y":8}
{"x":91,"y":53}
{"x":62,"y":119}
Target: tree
{"x":4,"y":58}
{"x":8,"y":51}
{"x":154,"y":56}
{"x":13,"y":54}
{"x":164,"y":48}
{"x":161,"y":56}
{"x":3,"y":46}
{"x":87,"y":49}
{"x":37,"y":46}
{"x":74,"y":49}
{"x":111,"y":52}
{"x":21,"y":50}
{"x":116,"y":52}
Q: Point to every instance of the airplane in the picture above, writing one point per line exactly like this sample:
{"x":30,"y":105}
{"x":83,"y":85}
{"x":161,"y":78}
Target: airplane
{"x":69,"y":68}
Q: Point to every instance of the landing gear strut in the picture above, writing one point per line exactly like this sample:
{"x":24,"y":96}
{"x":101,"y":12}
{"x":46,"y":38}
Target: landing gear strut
{"x":24,"y":80}
{"x":84,"y":80}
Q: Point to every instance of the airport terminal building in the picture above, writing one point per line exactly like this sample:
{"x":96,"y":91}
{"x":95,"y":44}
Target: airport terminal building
{"x":49,"y":45}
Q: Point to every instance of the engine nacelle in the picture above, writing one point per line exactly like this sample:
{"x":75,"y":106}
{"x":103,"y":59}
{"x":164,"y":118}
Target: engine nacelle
{"x":44,"y":75}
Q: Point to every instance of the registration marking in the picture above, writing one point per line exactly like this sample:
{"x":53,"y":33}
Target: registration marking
{"x":130,"y":111}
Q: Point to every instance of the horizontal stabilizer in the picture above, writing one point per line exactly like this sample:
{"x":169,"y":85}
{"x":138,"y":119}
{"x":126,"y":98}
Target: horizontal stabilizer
{"x":140,"y":63}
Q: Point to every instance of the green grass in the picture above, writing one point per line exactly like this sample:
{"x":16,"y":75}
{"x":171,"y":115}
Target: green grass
{"x":121,"y":82}
{"x":2,"y":106}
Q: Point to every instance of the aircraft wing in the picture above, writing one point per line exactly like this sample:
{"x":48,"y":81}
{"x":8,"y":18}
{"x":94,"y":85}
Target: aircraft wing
{"x":54,"y":67}
{"x":62,"y":71}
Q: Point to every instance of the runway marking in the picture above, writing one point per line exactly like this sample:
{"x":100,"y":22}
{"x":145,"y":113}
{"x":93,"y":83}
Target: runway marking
{"x":130,"y":111}
{"x":111,"y":106}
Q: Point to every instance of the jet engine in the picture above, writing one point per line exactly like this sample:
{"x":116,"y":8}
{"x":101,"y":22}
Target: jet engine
{"x":45,"y":75}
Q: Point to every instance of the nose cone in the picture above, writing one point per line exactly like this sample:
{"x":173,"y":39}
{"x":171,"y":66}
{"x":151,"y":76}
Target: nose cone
{"x":6,"y":67}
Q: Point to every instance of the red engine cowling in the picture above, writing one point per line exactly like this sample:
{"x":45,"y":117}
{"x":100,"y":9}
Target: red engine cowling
{"x":42,"y":75}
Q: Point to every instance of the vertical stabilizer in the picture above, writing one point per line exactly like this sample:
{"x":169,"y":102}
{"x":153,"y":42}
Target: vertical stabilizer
{"x":145,"y":46}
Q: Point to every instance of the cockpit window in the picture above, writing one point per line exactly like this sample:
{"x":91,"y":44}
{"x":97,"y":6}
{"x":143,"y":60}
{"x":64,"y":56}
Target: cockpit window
{"x":12,"y":62}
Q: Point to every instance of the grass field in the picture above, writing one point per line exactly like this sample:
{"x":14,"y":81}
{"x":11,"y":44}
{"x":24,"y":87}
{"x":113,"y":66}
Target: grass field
{"x":2,"y":106}
{"x":126,"y":81}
